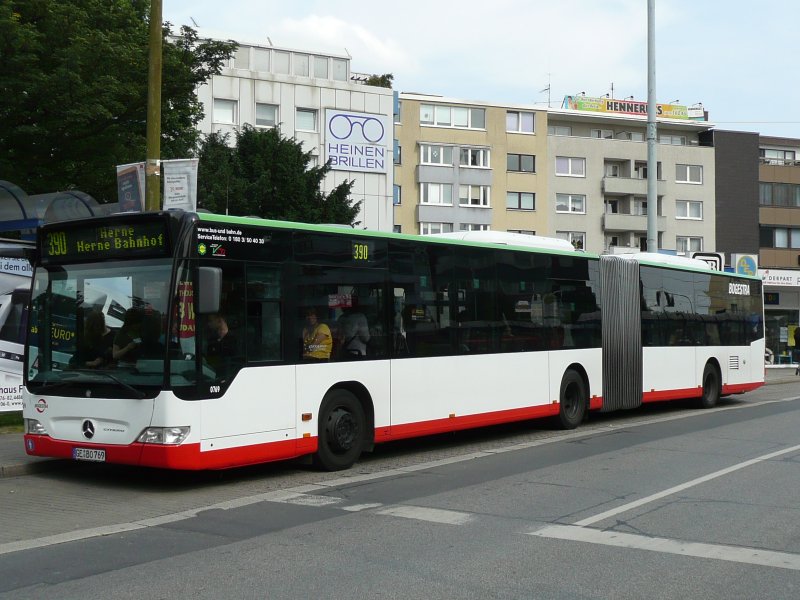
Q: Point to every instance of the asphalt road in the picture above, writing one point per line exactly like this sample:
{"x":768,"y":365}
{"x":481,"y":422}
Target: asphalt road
{"x":666,"y":502}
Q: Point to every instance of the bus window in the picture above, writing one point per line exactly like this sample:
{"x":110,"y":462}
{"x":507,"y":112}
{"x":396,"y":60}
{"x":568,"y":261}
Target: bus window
{"x":222,"y":333}
{"x":263,"y":321}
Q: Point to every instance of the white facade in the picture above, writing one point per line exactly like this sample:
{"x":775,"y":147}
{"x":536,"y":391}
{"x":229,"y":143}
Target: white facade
{"x":313,"y":100}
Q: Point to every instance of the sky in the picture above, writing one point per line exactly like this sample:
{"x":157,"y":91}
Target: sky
{"x":738,"y":58}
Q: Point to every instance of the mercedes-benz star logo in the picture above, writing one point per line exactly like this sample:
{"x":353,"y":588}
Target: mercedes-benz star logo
{"x":88,"y":429}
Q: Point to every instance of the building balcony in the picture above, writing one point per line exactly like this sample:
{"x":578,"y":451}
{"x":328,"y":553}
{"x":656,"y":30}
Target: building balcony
{"x":635,"y":223}
{"x":624,"y":186}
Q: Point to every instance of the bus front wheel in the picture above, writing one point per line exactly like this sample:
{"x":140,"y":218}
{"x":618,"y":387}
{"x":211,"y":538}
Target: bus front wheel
{"x":341,"y":431}
{"x":711,"y":387}
{"x":572,"y":400}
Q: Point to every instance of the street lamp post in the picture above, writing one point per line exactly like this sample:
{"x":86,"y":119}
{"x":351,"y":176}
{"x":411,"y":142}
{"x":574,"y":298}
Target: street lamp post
{"x":153,"y":163}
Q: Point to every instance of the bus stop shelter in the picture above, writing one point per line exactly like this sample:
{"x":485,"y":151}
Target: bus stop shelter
{"x":24,"y":213}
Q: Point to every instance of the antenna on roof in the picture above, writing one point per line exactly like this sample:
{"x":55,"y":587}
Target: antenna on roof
{"x":269,"y":40}
{"x":194,"y":22}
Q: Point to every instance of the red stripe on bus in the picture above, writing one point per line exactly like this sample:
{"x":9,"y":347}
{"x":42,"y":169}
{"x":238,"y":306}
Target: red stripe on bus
{"x":741,"y":388}
{"x":409,"y":430}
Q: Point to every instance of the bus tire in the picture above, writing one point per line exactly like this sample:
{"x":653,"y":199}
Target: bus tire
{"x":711,"y":387}
{"x":572,"y":400}
{"x":341,"y":431}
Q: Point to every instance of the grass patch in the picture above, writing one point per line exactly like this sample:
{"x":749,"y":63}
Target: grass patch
{"x":11,"y":422}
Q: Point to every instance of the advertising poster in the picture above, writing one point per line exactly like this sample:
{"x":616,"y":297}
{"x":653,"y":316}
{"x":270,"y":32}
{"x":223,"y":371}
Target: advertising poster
{"x":130,"y":187}
{"x":180,"y":183}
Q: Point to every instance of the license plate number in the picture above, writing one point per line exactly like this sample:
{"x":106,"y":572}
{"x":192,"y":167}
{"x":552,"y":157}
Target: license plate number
{"x":91,"y":454}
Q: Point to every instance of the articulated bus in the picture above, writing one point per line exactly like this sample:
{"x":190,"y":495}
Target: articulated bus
{"x":453,"y":332}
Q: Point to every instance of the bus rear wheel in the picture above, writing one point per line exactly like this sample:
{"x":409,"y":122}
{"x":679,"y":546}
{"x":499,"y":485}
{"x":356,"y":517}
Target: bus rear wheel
{"x":572,"y":400}
{"x":341,"y":431}
{"x":711,"y":387}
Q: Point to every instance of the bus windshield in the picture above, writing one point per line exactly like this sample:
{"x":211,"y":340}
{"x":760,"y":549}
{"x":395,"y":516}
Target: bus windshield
{"x":100,"y":329}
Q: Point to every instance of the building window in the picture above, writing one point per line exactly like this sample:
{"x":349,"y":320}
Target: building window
{"x":612,"y":206}
{"x":281,"y":62}
{"x":397,"y":199}
{"x":460,"y":117}
{"x":339,"y":69}
{"x":560,"y":130}
{"x":473,"y":227}
{"x":674,"y":140}
{"x":777,"y":157}
{"x":639,"y":207}
{"x":398,"y":153}
{"x":522,"y":231}
{"x":321,"y":67}
{"x":434,"y":228}
{"x":780,"y":237}
{"x":301,"y":65}
{"x":520,"y":201}
{"x":473,"y":195}
{"x":567,"y":166}
{"x":689,"y":173}
{"x":474,"y":157}
{"x":576,"y":238}
{"x":689,"y":209}
{"x":266,"y":115}
{"x":522,"y":163}
{"x":397,"y":229}
{"x":436,"y":193}
{"x":260,"y":59}
{"x":241,"y":59}
{"x":306,"y":120}
{"x":520,"y":122}
{"x":571,"y":203}
{"x":613,"y":169}
{"x":225,"y":111}
{"x":603,"y":134}
{"x":435,"y":155}
{"x":684,"y":244}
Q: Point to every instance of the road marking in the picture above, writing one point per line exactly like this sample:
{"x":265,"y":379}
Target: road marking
{"x":431,"y":515}
{"x":285,"y":494}
{"x":766,"y":558}
{"x":683,"y":486}
{"x":360,"y":507}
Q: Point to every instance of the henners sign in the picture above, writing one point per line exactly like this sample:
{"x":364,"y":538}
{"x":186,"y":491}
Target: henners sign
{"x":624,"y":107}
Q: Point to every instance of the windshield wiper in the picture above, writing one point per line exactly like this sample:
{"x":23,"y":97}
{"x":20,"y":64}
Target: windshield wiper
{"x":113,"y":378}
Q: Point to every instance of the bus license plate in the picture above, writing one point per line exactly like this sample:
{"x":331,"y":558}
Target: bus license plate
{"x":91,"y":454}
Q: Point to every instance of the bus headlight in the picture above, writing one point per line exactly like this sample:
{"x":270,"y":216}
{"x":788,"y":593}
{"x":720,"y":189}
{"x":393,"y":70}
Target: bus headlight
{"x":164,"y":435}
{"x":34,"y":427}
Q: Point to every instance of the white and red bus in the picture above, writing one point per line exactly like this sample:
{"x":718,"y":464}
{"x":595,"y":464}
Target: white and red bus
{"x":418,"y":335}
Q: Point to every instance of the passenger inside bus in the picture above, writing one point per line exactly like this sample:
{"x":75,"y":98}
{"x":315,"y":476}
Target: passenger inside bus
{"x":223,"y":348}
{"x":317,"y":339}
{"x":353,"y":334}
{"x":98,"y":341}
{"x":128,"y":340}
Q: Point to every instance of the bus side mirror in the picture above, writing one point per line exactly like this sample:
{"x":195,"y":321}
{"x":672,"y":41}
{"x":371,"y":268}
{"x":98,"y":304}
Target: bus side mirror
{"x":209,"y":288}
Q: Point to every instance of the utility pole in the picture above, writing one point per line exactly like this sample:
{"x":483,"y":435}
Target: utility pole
{"x":153,"y":162}
{"x":652,"y":164}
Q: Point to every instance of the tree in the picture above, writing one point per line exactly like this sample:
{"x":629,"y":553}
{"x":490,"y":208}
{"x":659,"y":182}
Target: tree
{"x":74,"y":81}
{"x":268,"y":175}
{"x":384,"y":81}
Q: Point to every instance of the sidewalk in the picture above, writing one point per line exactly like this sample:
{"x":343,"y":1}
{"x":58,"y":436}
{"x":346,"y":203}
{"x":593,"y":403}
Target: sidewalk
{"x":14,"y":462}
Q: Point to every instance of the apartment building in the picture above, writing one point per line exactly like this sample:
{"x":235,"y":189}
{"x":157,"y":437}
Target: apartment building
{"x":779,"y":243}
{"x":597,"y":177}
{"x":464,"y":166}
{"x":314,"y":98}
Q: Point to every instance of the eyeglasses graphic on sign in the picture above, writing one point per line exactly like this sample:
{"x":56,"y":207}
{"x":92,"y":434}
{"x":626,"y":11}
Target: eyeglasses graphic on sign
{"x":341,"y":127}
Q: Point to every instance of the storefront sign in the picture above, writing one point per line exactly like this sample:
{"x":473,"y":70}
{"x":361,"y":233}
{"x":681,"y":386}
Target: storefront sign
{"x":358,"y":141}
{"x":623,"y":107}
{"x":745,"y":264}
{"x":780,"y":277}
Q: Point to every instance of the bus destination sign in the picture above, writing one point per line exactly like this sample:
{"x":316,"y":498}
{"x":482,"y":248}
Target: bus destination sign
{"x":119,"y":240}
